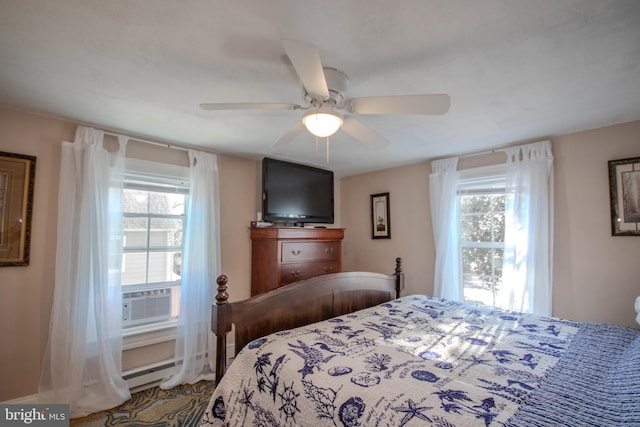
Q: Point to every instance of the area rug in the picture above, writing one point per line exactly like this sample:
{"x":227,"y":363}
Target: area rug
{"x":180,"y":406}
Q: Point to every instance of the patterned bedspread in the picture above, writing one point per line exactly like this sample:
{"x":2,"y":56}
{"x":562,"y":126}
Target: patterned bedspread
{"x":425,"y":361}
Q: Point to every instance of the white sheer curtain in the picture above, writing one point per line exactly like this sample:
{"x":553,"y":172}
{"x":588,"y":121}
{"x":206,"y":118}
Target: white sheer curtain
{"x":195,"y":352}
{"x":528,"y":253}
{"x":82,"y":362}
{"x":443,"y":183}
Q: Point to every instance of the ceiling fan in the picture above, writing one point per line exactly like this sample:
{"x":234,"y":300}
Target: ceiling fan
{"x":326,"y":108}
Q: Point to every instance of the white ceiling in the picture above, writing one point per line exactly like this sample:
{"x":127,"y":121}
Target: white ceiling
{"x":515,"y":69}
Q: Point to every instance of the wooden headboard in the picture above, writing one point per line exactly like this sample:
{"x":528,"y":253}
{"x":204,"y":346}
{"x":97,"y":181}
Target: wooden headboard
{"x":297,"y":304}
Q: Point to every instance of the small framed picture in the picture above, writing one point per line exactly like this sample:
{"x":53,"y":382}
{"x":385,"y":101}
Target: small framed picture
{"x":17,"y":175}
{"x":624,"y":192}
{"x":380,"y":220}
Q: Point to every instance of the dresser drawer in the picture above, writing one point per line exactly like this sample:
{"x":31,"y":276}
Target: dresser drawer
{"x":293,"y":272}
{"x":310,"y":251}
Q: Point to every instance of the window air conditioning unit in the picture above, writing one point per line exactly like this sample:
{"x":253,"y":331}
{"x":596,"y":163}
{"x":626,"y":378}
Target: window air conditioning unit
{"x":140,"y":307}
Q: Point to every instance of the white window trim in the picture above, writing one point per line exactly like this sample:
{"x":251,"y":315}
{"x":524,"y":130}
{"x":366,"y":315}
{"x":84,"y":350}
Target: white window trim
{"x":159,"y":171}
{"x":142,"y":336}
{"x":490,"y":172}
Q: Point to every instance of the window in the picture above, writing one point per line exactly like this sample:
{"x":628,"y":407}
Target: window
{"x":493,"y":230}
{"x":481,"y":203}
{"x":154,"y":217}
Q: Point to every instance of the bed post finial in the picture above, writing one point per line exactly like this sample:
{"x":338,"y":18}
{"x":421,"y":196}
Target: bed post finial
{"x":399,"y":277}
{"x":222,"y":296}
{"x":221,"y":325}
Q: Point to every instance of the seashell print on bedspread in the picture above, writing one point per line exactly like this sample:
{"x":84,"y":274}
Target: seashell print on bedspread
{"x":413,"y":361}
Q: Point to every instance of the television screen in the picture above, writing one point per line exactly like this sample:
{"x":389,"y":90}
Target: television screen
{"x":296,"y":193}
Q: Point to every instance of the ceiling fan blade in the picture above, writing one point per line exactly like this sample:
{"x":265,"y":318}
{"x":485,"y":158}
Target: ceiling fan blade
{"x":364,"y":133}
{"x":404,"y":104}
{"x":285,"y":139}
{"x":306,"y":61}
{"x":248,"y":106}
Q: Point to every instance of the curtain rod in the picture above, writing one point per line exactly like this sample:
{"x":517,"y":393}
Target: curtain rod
{"x":146,"y":141}
{"x":473,"y":154}
{"x":481,"y":153}
{"x":501,"y":149}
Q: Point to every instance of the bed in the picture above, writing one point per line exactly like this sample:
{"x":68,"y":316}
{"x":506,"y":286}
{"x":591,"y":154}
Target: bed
{"x":386,"y":360}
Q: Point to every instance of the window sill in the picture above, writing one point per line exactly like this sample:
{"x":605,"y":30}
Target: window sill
{"x":141,"y":336}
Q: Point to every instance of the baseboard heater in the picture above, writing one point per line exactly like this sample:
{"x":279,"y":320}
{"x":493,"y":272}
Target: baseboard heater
{"x":151,"y":375}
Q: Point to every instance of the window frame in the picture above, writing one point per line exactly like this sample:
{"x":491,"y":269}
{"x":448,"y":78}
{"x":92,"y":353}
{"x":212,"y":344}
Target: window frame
{"x":152,"y":176}
{"x":486,"y":180}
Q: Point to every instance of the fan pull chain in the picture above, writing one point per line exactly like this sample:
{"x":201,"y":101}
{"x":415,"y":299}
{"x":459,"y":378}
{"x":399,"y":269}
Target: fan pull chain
{"x":317,"y":145}
{"x":327,"y":150}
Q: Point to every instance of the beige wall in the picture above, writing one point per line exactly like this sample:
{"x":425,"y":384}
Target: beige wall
{"x":26,"y":293}
{"x":411,"y":234}
{"x":596,"y":276}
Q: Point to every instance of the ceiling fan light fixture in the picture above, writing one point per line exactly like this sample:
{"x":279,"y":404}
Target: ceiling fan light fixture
{"x":322,"y":122}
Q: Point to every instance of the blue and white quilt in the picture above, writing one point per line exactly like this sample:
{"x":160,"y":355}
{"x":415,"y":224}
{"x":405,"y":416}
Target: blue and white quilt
{"x":419,"y":361}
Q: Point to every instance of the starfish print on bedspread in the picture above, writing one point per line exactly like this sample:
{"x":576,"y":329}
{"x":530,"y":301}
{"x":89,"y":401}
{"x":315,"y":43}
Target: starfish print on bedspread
{"x":313,"y":357}
{"x":411,"y":410}
{"x":476,"y":360}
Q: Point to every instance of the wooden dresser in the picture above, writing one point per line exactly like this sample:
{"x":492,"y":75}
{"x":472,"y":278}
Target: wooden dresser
{"x":285,"y":255}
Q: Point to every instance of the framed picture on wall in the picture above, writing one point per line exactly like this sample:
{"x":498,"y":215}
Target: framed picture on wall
{"x":624,"y":192}
{"x":380,"y":221}
{"x":17,"y":175}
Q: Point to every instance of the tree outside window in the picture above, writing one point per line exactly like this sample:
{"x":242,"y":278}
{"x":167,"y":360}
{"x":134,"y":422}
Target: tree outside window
{"x":482,"y":225}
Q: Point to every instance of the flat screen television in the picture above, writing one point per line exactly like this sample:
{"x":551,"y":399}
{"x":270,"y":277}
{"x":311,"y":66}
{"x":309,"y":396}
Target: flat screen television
{"x":296,"y":194}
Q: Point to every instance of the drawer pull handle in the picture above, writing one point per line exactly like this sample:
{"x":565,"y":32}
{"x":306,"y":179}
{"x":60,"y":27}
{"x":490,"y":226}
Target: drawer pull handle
{"x":329,"y":250}
{"x":328,"y":269}
{"x":296,"y":251}
{"x":295,"y":273}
